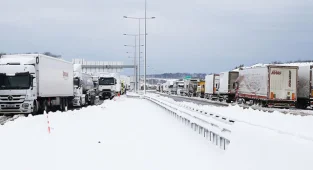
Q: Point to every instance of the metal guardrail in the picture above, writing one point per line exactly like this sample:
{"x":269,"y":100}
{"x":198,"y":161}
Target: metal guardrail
{"x":213,"y":127}
{"x":196,"y":99}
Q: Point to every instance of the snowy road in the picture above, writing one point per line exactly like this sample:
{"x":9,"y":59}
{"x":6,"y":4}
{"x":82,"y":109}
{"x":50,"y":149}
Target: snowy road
{"x":121,"y":134}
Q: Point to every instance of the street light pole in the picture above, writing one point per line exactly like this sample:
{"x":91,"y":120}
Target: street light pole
{"x":139,"y":55}
{"x":135,"y":66}
{"x":145,"y":72}
{"x":136,"y":82}
{"x":145,"y":18}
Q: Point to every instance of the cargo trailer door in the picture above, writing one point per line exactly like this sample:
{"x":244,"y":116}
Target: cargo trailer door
{"x":216,"y":84}
{"x":232,"y":79}
{"x":283,"y":83}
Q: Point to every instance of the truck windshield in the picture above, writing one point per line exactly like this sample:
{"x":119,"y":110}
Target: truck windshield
{"x":106,"y":81}
{"x":170,"y":86}
{"x":14,"y":82}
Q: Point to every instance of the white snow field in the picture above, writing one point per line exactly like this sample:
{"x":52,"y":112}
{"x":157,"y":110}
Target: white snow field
{"x":127,"y":133}
{"x":134,"y":134}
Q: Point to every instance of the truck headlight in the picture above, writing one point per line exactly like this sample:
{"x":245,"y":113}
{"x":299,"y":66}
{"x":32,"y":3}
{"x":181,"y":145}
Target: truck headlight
{"x":25,"y":105}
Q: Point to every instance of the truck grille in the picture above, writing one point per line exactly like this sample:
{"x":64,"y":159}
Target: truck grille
{"x":12,"y":98}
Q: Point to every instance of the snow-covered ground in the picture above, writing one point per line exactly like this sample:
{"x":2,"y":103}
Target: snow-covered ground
{"x":128,"y":133}
{"x":262,"y":140}
{"x":293,"y":124}
{"x":120,"y":134}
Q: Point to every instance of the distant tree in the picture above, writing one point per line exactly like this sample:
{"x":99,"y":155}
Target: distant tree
{"x":52,"y":55}
{"x":240,"y":66}
{"x":276,"y":62}
{"x":2,"y":54}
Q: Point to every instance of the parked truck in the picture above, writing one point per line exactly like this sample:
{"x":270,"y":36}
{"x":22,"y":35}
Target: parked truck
{"x":268,"y":86}
{"x":212,"y":83}
{"x":109,"y":85}
{"x":192,"y":87}
{"x":201,"y":88}
{"x":84,"y":89}
{"x":172,"y":88}
{"x":227,"y":86}
{"x":34,"y":83}
{"x":179,"y":86}
{"x":305,"y":90}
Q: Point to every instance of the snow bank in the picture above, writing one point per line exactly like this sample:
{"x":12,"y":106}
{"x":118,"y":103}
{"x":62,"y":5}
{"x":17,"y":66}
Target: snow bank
{"x":261,"y":140}
{"x":296,"y":125}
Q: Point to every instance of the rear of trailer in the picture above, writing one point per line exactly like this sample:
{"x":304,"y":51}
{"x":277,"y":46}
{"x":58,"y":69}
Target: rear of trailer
{"x":227,"y":88}
{"x":305,"y":92}
{"x":272,"y":86}
{"x":212,"y":83}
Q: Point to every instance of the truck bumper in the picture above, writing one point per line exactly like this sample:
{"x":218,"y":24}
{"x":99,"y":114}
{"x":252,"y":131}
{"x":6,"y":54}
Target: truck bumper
{"x":16,"y":108}
{"x":106,"y":94}
{"x":281,"y":105}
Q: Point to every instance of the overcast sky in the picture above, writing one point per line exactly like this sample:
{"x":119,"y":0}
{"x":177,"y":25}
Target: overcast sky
{"x":186,"y":36}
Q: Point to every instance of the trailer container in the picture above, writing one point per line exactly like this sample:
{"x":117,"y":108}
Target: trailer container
{"x":84,"y":88}
{"x":32,"y":83}
{"x":201,"y":88}
{"x":305,"y":91}
{"x":212,"y":82}
{"x":227,"y":89}
{"x":272,"y":86}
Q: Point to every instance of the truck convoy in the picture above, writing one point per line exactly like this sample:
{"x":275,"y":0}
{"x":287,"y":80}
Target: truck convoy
{"x":84,"y":90}
{"x":266,"y":85}
{"x":34,"y":83}
{"x":270,"y":86}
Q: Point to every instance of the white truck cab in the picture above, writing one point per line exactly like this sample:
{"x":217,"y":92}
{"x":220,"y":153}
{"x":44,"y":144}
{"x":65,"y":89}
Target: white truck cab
{"x":107,"y":87}
{"x":17,"y":88}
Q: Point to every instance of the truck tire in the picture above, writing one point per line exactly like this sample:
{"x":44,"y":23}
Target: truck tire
{"x":35,"y":108}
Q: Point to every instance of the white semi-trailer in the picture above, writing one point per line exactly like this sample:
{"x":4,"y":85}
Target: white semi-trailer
{"x":212,"y":83}
{"x":32,"y":83}
{"x":271,"y":86}
{"x":227,"y":86}
{"x":305,"y":90}
{"x":84,"y":89}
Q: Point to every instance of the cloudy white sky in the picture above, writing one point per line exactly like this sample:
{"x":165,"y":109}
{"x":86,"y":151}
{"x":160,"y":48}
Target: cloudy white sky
{"x":186,"y":36}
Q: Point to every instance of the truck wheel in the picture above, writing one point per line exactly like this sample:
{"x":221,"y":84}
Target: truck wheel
{"x":35,"y":110}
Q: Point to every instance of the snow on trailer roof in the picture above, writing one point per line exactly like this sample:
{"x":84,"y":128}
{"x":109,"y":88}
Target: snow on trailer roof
{"x":31,"y":55}
{"x":22,"y":61}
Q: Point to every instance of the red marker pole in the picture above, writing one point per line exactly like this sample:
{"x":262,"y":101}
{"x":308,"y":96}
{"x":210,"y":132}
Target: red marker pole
{"x":49,"y":131}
